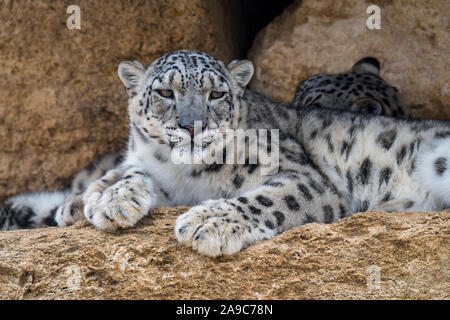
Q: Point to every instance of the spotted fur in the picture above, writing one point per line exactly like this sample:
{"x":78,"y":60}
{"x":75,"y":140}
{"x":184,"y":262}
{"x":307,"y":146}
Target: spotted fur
{"x":332,"y":163}
{"x":325,"y":91}
{"x":361,"y":89}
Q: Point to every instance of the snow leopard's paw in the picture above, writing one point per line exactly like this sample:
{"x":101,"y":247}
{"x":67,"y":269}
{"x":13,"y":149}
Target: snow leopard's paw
{"x":122,"y":204}
{"x":70,"y":211}
{"x":216,"y":228}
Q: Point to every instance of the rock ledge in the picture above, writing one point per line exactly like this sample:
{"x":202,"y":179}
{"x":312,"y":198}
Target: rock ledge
{"x":314,"y":261}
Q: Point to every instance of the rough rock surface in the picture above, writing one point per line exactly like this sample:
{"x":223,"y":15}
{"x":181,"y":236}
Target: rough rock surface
{"x":314,"y":261}
{"x":413,"y":46}
{"x":62,"y":103}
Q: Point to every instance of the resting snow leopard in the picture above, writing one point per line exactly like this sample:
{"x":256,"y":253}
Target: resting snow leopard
{"x":332,"y":163}
{"x":360,"y":89}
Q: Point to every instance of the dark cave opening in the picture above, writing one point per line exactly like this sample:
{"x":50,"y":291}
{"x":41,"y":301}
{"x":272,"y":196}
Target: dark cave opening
{"x":257,"y":15}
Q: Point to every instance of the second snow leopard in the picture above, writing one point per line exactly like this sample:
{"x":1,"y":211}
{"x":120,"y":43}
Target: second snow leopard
{"x":332,"y":163}
{"x":360,"y":89}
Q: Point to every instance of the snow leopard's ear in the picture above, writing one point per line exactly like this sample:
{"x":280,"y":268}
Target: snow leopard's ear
{"x":368,"y":106}
{"x":131,"y":73}
{"x":242,"y":71}
{"x":367,"y":64}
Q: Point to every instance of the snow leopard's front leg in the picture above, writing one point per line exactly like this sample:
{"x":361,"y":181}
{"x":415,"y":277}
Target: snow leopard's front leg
{"x":225,"y":226}
{"x":120,"y":198}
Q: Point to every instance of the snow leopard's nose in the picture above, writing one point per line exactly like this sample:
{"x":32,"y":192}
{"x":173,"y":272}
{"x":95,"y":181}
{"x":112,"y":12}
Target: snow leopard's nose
{"x":191,"y":114}
{"x":188,"y":128}
{"x":191,"y":129}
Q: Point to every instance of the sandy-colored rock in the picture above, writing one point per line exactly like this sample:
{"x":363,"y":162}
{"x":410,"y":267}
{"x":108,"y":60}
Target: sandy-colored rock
{"x":61,"y":101}
{"x":314,"y":261}
{"x":413,"y":46}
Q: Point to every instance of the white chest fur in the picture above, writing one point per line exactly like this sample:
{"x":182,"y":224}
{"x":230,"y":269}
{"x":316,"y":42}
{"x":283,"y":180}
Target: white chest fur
{"x":177,"y":180}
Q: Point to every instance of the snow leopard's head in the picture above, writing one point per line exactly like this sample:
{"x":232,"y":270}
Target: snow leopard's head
{"x":183,"y":90}
{"x":360,"y":89}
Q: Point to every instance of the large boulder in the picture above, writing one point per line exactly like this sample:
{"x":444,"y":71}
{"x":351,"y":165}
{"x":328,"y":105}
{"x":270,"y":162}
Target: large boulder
{"x":373,"y":255}
{"x":61,"y":101}
{"x":413,"y":46}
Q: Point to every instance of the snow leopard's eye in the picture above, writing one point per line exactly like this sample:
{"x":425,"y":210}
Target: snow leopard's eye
{"x":216,"y":95}
{"x":165,"y":93}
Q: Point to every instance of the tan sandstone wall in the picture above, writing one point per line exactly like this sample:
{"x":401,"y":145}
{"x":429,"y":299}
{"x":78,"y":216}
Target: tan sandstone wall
{"x":413,"y":46}
{"x":61,"y":101}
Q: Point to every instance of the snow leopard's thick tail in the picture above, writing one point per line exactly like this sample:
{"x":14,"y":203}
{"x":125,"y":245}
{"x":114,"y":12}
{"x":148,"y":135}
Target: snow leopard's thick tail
{"x":31,"y":210}
{"x":38,"y":209}
{"x":433,"y":168}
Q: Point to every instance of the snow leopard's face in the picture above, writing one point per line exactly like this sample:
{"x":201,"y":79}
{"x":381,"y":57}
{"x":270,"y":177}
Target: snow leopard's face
{"x":184,"y":95}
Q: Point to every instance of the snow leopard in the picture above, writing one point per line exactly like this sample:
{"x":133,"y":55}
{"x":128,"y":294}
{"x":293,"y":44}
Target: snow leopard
{"x":359,"y":89}
{"x":330,"y":163}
